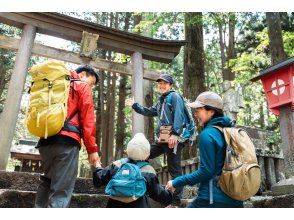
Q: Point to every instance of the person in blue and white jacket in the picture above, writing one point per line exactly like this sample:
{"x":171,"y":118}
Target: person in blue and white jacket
{"x":171,"y":111}
{"x":212,"y":148}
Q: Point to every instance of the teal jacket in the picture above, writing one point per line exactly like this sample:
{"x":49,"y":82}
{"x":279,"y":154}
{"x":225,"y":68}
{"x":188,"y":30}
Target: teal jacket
{"x":212,"y":149}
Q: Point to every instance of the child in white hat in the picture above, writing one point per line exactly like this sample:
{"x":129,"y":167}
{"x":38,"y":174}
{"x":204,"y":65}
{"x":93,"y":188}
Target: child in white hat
{"x":138,"y":151}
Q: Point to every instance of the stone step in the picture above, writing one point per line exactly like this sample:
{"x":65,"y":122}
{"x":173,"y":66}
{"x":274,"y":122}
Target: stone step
{"x":30,"y":181}
{"x":10,"y":198}
{"x":25,"y":199}
{"x":282,"y":201}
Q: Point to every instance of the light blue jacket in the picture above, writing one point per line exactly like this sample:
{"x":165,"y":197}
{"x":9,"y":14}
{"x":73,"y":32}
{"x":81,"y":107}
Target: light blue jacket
{"x":173,"y":113}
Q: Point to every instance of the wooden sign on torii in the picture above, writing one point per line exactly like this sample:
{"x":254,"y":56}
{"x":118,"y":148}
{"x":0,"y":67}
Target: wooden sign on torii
{"x":69,"y":28}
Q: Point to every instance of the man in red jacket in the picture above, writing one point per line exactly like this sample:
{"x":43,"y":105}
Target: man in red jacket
{"x":60,"y":153}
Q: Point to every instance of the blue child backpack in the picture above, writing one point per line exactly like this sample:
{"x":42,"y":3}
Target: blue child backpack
{"x":128,"y":184}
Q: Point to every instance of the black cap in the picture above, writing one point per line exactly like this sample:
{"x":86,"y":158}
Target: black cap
{"x":166,"y":78}
{"x":88,"y":69}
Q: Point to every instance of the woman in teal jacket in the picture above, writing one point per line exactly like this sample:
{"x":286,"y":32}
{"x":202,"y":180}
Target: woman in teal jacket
{"x":208,"y":110}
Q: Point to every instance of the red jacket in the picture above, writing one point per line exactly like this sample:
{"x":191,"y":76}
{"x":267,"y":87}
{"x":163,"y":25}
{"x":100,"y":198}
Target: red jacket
{"x":82,"y":101}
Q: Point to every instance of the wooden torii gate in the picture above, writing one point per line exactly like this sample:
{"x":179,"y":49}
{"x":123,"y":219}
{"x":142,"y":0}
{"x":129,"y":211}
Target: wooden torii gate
{"x":69,"y":28}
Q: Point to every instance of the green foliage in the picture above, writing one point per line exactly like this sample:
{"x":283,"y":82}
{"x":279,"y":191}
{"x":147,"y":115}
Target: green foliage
{"x":168,"y":26}
{"x":288,"y":38}
{"x":252,"y":56}
{"x":213,"y":73}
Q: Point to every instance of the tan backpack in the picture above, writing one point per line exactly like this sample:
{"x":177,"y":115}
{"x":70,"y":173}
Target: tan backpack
{"x":241,"y":176}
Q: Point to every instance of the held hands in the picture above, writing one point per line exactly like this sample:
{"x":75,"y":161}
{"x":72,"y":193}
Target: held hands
{"x":169,"y":186}
{"x":172,"y":141}
{"x":94,"y":159}
{"x":130,"y":102}
{"x":98,"y":164}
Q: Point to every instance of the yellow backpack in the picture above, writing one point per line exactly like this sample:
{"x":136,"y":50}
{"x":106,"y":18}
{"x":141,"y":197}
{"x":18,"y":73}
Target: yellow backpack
{"x":49,"y":93}
{"x":241,"y":176}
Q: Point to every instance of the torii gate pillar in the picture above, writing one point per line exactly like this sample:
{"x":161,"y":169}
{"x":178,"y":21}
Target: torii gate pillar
{"x":16,"y":85}
{"x":137,"y":92}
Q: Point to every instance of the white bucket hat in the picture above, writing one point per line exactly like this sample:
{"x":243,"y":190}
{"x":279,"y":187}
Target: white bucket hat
{"x":138,"y":148}
{"x":207,"y":99}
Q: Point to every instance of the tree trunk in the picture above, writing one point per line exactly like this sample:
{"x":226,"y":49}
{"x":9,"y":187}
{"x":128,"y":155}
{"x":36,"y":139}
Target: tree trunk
{"x":137,"y":20}
{"x":275,"y":37}
{"x":103,"y":120}
{"x":111,"y":81}
{"x":261,"y":117}
{"x":98,"y":116}
{"x":120,"y":126}
{"x":228,"y":74}
{"x":148,"y":101}
{"x":287,"y":22}
{"x":194,"y":77}
{"x":222,"y":48}
{"x":111,"y":118}
{"x":106,"y":116}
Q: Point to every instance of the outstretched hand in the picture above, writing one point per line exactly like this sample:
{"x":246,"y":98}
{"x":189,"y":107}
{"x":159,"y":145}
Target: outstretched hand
{"x":172,"y":141}
{"x":129,"y":102}
{"x":169,"y":186}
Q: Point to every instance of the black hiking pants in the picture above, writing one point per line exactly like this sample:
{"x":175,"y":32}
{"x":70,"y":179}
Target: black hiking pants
{"x":173,"y":164}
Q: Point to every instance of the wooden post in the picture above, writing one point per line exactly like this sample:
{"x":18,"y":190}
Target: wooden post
{"x":270,"y":172}
{"x":287,"y":134}
{"x":193,"y":168}
{"x":12,"y":104}
{"x":148,"y":101}
{"x":262,"y":169}
{"x":137,"y":91}
{"x":279,"y":169}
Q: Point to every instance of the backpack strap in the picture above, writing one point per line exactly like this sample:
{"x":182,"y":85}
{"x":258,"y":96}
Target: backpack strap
{"x":214,"y":178}
{"x":69,"y":127}
{"x":145,"y":167}
{"x":228,"y":142}
{"x":219,"y":128}
{"x":141,"y":164}
{"x":124,"y":161}
{"x":165,"y":101}
{"x":72,"y":80}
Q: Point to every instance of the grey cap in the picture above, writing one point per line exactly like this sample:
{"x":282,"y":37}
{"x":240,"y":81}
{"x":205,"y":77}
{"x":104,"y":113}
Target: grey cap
{"x":207,"y":99}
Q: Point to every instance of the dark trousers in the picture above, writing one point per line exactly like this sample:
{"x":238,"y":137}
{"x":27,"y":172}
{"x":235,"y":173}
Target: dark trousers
{"x":173,"y":164}
{"x":201,"y":203}
{"x":60,"y":166}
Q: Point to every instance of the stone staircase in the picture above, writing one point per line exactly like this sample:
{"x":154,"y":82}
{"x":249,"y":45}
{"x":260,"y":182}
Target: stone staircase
{"x":18,"y":190}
